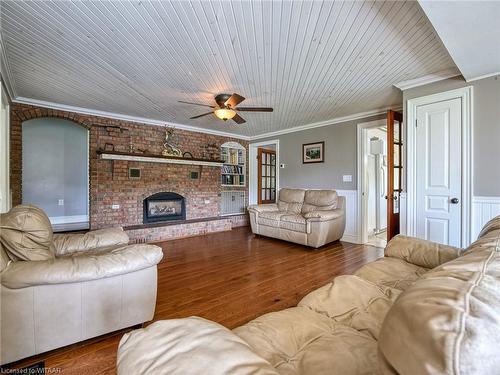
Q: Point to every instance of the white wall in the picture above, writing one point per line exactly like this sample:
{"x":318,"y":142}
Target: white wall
{"x":5,"y":201}
{"x":55,"y":167}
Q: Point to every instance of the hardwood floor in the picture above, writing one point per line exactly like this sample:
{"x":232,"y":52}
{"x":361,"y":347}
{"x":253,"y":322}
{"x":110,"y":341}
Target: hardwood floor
{"x":231,"y":278}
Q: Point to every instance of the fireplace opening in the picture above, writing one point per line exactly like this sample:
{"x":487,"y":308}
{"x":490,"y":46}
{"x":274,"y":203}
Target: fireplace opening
{"x":164,"y":206}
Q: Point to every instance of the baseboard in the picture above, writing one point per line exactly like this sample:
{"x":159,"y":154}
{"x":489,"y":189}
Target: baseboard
{"x":350,"y":238}
{"x":55,"y":220}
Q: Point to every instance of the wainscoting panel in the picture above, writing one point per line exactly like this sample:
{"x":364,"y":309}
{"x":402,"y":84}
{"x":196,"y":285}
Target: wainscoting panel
{"x":351,"y":227}
{"x":483,"y":209}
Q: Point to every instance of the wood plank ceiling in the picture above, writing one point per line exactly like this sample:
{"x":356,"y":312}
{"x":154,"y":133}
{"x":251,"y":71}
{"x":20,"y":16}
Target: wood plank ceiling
{"x":310,"y":60}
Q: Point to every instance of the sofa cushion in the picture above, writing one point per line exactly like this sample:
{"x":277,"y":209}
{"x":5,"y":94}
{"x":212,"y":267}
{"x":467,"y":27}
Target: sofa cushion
{"x":420,"y":252}
{"x":68,"y":243}
{"x":391,"y":272}
{"x":301,"y":341}
{"x":296,"y":223}
{"x":270,"y":218}
{"x":84,"y":266}
{"x":188,"y":346}
{"x":319,"y":200}
{"x":291,"y":200}
{"x":491,"y":226}
{"x":354,"y":302}
{"x":26,"y":233}
{"x":448,"y":322}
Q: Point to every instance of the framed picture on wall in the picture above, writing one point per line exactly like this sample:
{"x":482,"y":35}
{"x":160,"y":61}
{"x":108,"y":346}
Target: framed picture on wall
{"x":313,"y":152}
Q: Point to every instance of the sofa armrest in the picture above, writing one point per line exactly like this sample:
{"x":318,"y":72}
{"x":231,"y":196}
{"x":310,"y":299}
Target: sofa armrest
{"x":188,"y":346}
{"x":117,"y":261}
{"x":70,"y":243}
{"x":325,"y":215}
{"x":420,"y":252}
{"x":263,"y":207}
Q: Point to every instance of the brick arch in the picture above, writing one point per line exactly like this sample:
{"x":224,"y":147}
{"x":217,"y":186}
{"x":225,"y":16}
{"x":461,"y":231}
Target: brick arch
{"x":32,"y":113}
{"x":21,"y":113}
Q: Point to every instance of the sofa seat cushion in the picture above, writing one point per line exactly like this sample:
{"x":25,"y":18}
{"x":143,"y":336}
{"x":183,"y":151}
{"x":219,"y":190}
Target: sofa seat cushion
{"x":26,"y":234}
{"x":319,"y":200}
{"x":188,"y":346}
{"x":354,"y":302}
{"x":84,"y":266}
{"x":391,"y":272}
{"x":296,"y":223}
{"x":300,"y":341}
{"x":270,"y":218}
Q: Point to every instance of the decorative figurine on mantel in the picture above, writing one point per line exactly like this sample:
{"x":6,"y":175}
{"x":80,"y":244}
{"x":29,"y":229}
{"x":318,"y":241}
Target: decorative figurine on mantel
{"x":169,"y":148}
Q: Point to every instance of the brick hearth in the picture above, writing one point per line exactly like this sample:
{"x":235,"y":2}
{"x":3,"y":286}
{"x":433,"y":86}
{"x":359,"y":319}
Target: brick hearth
{"x":109,"y":181}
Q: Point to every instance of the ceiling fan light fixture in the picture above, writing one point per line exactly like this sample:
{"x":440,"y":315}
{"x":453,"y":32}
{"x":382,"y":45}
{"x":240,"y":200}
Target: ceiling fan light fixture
{"x":225,"y":113}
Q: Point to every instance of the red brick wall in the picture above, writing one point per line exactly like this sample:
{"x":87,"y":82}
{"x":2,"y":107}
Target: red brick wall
{"x":109,"y":181}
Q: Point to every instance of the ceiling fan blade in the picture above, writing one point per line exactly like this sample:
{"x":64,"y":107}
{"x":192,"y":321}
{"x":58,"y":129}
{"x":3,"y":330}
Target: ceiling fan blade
{"x":234,"y":100}
{"x":254,"y":109}
{"x":238,"y":119}
{"x":203,"y":105}
{"x":205,"y":114}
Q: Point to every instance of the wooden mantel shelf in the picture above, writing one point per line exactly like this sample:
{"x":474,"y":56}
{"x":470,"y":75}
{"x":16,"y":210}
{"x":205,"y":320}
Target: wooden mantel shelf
{"x":150,"y":158}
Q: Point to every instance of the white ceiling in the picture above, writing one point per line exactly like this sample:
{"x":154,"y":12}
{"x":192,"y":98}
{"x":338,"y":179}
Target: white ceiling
{"x":470,"y":30}
{"x":311,"y":60}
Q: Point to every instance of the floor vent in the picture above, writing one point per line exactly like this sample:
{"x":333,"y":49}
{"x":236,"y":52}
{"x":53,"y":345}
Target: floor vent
{"x":233,"y":202}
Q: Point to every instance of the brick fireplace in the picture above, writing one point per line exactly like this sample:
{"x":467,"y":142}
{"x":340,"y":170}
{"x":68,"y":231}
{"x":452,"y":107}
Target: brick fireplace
{"x":116,"y":199}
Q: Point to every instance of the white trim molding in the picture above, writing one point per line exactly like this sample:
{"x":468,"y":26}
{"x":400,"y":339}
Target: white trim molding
{"x":253,"y":165}
{"x":425,"y":80}
{"x":117,"y":116}
{"x":466,"y":95}
{"x":336,"y":120}
{"x":483,"y":210}
{"x":351,"y":233}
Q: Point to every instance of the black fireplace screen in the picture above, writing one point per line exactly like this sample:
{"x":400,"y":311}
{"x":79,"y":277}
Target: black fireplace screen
{"x":163,"y":207}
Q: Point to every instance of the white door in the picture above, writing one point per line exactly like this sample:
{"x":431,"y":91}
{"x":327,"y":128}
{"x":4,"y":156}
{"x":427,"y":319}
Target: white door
{"x":438,"y":152}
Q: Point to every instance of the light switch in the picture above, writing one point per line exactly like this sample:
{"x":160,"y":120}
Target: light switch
{"x":347,"y":178}
{"x":115,"y":206}
{"x":60,"y":202}
{"x":282,"y":165}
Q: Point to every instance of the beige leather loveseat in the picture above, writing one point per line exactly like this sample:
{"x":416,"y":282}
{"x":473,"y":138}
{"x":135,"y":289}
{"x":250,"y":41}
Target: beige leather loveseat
{"x":308,"y":217}
{"x":422,"y":309}
{"x":64,"y":288}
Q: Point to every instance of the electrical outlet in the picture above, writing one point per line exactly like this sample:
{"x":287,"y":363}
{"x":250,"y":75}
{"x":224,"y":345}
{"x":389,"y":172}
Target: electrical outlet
{"x":115,"y":206}
{"x":60,"y":202}
{"x":347,"y":178}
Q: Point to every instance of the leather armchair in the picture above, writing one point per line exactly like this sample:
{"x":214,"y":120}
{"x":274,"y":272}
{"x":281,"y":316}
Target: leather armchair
{"x":308,"y":217}
{"x":60,"y":289}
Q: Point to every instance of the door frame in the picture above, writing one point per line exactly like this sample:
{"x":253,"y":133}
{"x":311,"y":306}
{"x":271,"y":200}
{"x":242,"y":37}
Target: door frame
{"x":466,"y":96}
{"x":361,"y":168}
{"x":253,"y":165}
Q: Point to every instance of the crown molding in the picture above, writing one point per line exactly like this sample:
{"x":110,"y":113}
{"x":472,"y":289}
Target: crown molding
{"x":425,"y":80}
{"x":337,"y":120}
{"x":142,"y":120}
{"x":118,"y":116}
{"x":482,"y":77}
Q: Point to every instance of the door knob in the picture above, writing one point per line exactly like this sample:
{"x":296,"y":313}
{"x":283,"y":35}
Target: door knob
{"x":454,"y":200}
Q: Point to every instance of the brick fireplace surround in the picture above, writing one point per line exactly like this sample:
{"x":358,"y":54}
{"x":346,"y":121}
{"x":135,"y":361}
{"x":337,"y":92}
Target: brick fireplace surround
{"x":110,"y":184}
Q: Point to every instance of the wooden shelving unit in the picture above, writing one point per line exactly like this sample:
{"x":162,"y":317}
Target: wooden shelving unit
{"x":233,"y":171}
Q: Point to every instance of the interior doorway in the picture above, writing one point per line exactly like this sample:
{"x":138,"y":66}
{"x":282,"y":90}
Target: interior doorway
{"x":373,"y":181}
{"x":263,"y":173}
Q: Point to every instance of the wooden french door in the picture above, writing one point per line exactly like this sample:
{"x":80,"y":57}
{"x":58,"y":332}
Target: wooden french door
{"x":394,"y":171}
{"x":266,"y":176}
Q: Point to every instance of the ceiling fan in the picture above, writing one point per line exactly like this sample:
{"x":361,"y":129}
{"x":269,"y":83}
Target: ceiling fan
{"x":226,"y":108}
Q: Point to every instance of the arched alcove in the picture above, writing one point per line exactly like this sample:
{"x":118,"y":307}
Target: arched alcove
{"x":55,"y":170}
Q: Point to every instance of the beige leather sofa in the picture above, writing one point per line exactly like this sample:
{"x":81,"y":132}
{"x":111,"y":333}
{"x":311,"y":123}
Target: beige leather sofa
{"x":308,"y":217}
{"x":64,"y":288}
{"x":422,"y":309}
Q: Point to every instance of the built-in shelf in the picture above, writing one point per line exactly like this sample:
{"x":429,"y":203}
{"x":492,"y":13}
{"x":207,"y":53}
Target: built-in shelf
{"x":233,"y":172}
{"x":150,"y":158}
